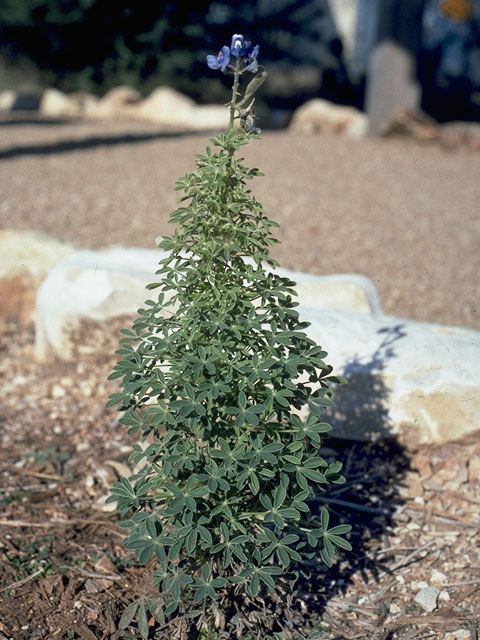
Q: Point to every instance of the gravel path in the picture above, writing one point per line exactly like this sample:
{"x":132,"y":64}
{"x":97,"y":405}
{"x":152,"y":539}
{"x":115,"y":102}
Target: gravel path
{"x":404,"y":214}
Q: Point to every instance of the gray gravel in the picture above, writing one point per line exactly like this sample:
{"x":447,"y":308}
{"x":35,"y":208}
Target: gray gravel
{"x":405,"y":214}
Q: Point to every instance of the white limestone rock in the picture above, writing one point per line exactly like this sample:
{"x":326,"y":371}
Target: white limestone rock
{"x":324,"y":117}
{"x":7,"y":100}
{"x":417,"y":381}
{"x":25,"y":259}
{"x":208,"y":117}
{"x":427,"y":599}
{"x":414,"y":380}
{"x":56,"y":104}
{"x":100,"y":285}
{"x":165,"y":106}
{"x":117,"y":104}
{"x":89,"y":285}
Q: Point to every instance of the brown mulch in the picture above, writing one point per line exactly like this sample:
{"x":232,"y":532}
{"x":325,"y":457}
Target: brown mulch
{"x":64,"y":572}
{"x":402,"y":213}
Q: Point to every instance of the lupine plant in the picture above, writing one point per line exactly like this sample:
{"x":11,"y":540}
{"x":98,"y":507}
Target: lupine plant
{"x":227,"y":391}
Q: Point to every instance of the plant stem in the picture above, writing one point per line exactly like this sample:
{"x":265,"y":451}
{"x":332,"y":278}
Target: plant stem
{"x":236,"y":78}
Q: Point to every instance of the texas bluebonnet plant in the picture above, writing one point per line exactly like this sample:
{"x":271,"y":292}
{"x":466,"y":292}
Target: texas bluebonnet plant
{"x":216,"y":372}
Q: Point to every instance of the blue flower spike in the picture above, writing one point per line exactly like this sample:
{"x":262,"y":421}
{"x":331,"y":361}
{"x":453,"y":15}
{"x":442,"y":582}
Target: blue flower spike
{"x":241,"y":49}
{"x":241,"y":107}
{"x":221,"y":60}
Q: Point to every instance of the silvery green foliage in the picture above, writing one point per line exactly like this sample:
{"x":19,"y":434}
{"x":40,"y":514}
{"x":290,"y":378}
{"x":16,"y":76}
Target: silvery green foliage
{"x":216,"y":372}
{"x":213,"y":375}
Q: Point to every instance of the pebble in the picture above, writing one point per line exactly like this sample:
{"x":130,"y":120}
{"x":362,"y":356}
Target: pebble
{"x":474,"y":469}
{"x":58,"y":391}
{"x":394,"y":608}
{"x":460,"y":634}
{"x":416,"y":586}
{"x":437,"y":577}
{"x":89,"y":481}
{"x":427,"y":598}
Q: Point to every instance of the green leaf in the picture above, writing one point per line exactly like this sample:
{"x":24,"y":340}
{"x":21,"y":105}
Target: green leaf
{"x":279,"y":497}
{"x":324,"y":518}
{"x":128,"y":615}
{"x":254,"y":585}
{"x":200,"y":594}
{"x":340,"y":529}
{"x":170,"y":607}
{"x":205,"y":534}
{"x":314,"y":475}
{"x":253,"y":483}
{"x":283,"y":556}
{"x":340,"y":542}
{"x":142,"y":621}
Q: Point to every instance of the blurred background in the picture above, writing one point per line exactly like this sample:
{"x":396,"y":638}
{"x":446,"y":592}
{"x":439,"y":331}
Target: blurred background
{"x":350,"y":52}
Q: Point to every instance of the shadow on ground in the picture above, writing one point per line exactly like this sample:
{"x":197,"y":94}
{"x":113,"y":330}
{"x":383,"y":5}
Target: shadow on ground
{"x":85,"y":144}
{"x":374,"y":471}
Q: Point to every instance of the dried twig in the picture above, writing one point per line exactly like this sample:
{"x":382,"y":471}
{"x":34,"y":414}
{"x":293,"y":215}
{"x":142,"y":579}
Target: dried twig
{"x":56,"y":522}
{"x":439,"y":518}
{"x":352,"y":505}
{"x":19,"y":583}
{"x":455,"y":494}
{"x":460,"y":584}
{"x":350,"y":606}
{"x":407,"y":560}
{"x":92,"y":574}
{"x":36,"y":474}
{"x":24,"y":523}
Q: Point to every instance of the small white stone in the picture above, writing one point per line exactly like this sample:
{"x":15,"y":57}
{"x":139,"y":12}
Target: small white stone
{"x":427,"y":598}
{"x":444,"y":595}
{"x":394,"y":608}
{"x":19,"y":380}
{"x":400,"y":579}
{"x":103,"y":506}
{"x":416,"y":586}
{"x":89,"y":481}
{"x":58,"y":391}
{"x":437,"y":577}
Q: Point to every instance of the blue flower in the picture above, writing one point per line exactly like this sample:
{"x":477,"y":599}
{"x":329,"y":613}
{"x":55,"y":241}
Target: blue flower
{"x":238,"y":45}
{"x":252,"y":64}
{"x":221,"y":60}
